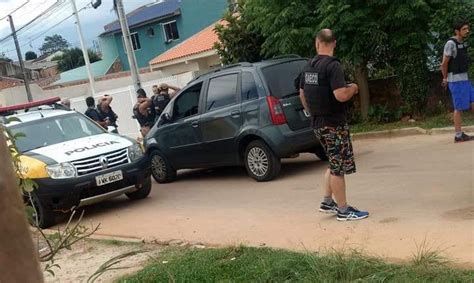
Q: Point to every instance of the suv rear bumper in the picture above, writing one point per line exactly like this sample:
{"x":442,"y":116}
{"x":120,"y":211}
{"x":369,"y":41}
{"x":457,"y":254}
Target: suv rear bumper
{"x":63,"y":194}
{"x":285,"y":142}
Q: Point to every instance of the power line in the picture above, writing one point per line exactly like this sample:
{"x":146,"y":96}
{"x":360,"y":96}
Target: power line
{"x":57,"y":3}
{"x":27,"y":1}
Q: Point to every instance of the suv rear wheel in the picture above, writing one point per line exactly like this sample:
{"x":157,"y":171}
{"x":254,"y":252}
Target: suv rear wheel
{"x":260,"y":161}
{"x":161,"y":169}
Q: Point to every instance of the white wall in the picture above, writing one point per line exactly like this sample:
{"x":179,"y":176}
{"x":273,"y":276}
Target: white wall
{"x":120,"y":89}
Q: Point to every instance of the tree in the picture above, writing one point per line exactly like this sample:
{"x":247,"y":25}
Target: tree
{"x":237,"y":42}
{"x":73,"y":58}
{"x":30,"y":55}
{"x":18,"y":257}
{"x":54,"y":43}
{"x":288,"y":26}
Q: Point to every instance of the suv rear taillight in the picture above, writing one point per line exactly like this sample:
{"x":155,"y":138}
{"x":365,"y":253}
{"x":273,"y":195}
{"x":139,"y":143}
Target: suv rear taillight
{"x":276,"y":111}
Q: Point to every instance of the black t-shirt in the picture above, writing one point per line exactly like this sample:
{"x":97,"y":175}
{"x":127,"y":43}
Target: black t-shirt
{"x":93,"y":113}
{"x":112,"y":117}
{"x":335,"y":73}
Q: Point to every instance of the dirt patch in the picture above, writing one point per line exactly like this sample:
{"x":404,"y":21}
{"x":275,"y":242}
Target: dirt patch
{"x":466,"y":213}
{"x":389,"y":220}
{"x":85,"y":257}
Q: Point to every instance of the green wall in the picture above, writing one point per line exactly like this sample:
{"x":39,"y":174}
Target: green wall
{"x":195,"y":16}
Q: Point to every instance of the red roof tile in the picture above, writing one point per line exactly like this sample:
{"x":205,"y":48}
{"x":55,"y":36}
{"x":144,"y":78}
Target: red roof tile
{"x":202,"y":41}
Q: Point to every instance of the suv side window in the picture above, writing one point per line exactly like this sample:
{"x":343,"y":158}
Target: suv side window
{"x":222,"y":91}
{"x":187,"y":104}
{"x":249,"y":87}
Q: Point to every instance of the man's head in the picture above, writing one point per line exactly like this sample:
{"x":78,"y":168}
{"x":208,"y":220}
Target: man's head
{"x":156,"y":89}
{"x":461,"y":28}
{"x":141,"y":93}
{"x":66,"y":102}
{"x":90,"y":101}
{"x":325,"y":42}
{"x":164,"y":87}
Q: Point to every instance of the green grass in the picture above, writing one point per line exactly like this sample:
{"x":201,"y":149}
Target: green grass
{"x":438,"y":121}
{"x":242,"y":264}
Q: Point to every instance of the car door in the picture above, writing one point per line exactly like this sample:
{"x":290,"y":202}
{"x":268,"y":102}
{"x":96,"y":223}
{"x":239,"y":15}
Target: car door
{"x":180,"y":137}
{"x":221,"y":119}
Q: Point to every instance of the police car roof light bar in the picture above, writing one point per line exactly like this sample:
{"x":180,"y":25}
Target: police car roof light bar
{"x":24,"y":106}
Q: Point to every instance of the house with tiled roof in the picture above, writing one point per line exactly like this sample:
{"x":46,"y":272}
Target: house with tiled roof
{"x":195,"y":54}
{"x":158,"y":27}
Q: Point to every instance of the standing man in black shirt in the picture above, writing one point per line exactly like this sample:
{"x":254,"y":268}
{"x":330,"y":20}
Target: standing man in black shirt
{"x":162,"y":97}
{"x":93,"y":113}
{"x":105,"y":110}
{"x":324,"y":93}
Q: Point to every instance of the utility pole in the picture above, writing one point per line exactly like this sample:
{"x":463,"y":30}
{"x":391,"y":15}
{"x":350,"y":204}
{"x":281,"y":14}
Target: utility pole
{"x":20,"y":58}
{"x":118,"y":5}
{"x":84,"y":49}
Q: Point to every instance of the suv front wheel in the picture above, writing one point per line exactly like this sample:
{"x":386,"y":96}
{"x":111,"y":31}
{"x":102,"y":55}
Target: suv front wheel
{"x":161,"y":169}
{"x":260,"y":161}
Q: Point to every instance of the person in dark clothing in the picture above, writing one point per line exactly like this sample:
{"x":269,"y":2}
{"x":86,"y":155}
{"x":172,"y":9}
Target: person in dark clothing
{"x":93,"y":113}
{"x":324,"y":94}
{"x":455,"y":67}
{"x":106,"y":111}
{"x":144,"y":112}
{"x":162,"y":97}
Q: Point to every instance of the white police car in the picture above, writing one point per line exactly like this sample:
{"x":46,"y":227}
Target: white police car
{"x":74,"y":161}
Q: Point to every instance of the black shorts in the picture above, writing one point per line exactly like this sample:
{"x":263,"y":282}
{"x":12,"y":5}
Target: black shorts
{"x":338,"y":146}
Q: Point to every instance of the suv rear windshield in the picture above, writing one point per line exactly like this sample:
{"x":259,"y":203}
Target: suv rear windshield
{"x":281,"y":77}
{"x":53,"y":130}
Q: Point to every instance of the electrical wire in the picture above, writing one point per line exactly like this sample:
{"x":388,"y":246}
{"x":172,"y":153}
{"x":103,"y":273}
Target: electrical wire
{"x":27,"y":1}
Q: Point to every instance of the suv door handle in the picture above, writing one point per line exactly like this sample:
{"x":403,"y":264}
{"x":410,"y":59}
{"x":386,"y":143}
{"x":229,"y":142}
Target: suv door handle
{"x":195,"y":124}
{"x":235,"y":114}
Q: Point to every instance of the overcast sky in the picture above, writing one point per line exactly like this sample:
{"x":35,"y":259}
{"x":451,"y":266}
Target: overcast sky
{"x":92,"y":22}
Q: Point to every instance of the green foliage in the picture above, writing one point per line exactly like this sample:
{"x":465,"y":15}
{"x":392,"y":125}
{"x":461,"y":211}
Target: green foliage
{"x":242,"y":264}
{"x":382,"y":114}
{"x":54,"y":43}
{"x":441,"y":27}
{"x":73,"y":58}
{"x":237,"y":42}
{"x":288,"y":26}
{"x":30,"y":55}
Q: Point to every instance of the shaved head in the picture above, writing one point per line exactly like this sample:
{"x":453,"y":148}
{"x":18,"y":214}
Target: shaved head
{"x":326,"y":36}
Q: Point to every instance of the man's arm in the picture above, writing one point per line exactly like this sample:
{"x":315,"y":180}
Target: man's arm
{"x":444,"y":70}
{"x":303,"y":100}
{"x":106,"y":100}
{"x":344,"y":94}
{"x":175,"y":89}
{"x":144,"y":105}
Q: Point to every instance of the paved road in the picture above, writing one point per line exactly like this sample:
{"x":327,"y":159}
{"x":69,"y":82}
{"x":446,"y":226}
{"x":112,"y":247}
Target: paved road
{"x":418,"y":189}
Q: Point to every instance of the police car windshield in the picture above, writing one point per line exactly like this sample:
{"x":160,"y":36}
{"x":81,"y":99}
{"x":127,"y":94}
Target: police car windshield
{"x":53,"y":130}
{"x":281,"y":78}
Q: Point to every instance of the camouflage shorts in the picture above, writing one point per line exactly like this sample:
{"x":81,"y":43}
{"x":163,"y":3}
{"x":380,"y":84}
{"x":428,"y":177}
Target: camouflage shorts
{"x":338,"y":147}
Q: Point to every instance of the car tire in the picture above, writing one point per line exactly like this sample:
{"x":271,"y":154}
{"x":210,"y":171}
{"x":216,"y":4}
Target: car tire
{"x":46,"y":216}
{"x":260,"y":161}
{"x":142,"y":192}
{"x":161,"y":169}
{"x":320,"y":152}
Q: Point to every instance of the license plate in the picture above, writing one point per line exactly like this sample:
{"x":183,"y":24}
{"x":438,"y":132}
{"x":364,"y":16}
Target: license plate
{"x":109,"y":178}
{"x":306,"y":113}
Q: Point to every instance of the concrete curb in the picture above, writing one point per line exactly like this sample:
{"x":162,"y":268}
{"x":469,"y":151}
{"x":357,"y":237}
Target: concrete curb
{"x":404,"y":132}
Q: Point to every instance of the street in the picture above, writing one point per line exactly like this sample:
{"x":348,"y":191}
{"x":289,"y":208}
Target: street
{"x":418,"y":189}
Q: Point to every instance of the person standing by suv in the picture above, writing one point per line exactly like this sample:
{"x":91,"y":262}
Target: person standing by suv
{"x":324,"y":93}
{"x":93,"y":113}
{"x":162,"y":97}
{"x":143,"y":111}
{"x":454,"y":67}
{"x":106,"y":111}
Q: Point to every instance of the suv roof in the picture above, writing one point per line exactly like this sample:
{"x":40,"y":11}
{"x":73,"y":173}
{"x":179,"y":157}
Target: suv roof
{"x":261,"y":64}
